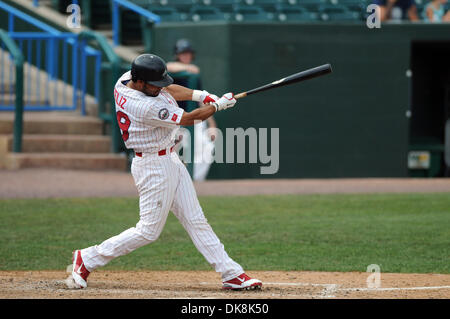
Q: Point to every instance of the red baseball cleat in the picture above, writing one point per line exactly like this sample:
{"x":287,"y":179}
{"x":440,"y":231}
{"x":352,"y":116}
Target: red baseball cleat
{"x":79,"y":271}
{"x":242,"y":282}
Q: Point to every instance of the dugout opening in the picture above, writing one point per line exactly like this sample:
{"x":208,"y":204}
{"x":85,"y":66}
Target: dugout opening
{"x":429,"y":129}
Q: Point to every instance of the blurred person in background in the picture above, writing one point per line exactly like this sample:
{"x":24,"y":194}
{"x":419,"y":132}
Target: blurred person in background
{"x":204,"y":135}
{"x":435,"y":12}
{"x":396,"y":10}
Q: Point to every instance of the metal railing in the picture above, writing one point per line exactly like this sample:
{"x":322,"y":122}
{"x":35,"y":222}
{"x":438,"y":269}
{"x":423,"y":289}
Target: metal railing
{"x":148,"y":19}
{"x":55,"y":72}
{"x":145,"y":15}
{"x":14,"y":14}
{"x":64,"y":58}
{"x":36,"y":2}
{"x":74,"y":68}
{"x":113,"y":66}
{"x":18,"y":59}
{"x":49,"y":51}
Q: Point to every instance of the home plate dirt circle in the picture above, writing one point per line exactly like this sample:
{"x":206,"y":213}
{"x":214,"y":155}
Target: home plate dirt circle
{"x":206,"y":284}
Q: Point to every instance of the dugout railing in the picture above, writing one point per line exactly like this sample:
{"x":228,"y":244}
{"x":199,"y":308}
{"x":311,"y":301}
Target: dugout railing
{"x":55,"y":76}
{"x":52,"y":61}
{"x":109,"y":71}
{"x":58,"y":68}
{"x":16,"y":55}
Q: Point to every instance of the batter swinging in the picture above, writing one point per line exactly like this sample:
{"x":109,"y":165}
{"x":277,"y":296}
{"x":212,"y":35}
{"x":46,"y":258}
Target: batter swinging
{"x":148,"y":116}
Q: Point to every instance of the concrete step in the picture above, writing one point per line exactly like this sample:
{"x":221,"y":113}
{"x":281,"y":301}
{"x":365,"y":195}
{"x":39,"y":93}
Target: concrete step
{"x":138,"y":48}
{"x":10,"y":99}
{"x":49,"y":143}
{"x":95,"y":161}
{"x":107,"y":33}
{"x":104,"y":27}
{"x":47,"y":3}
{"x":52,"y":123}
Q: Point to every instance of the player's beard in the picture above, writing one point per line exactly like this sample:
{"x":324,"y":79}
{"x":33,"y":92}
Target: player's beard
{"x":153,"y":93}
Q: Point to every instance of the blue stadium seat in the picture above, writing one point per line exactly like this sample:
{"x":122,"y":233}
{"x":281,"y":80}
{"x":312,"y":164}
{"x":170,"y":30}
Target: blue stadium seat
{"x":145,"y":3}
{"x":352,"y":5}
{"x":207,"y":13}
{"x":168,"y":14}
{"x":251,"y":13}
{"x":226,"y":6}
{"x":295,"y":13}
{"x":337,"y":13}
{"x":266,"y":5}
{"x":180,"y":5}
{"x":312,"y":5}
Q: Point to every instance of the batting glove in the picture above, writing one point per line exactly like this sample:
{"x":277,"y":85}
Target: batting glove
{"x":225,"y":102}
{"x":204,"y":96}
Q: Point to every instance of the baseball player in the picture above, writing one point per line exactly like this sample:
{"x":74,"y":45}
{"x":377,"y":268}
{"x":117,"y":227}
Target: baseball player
{"x":148,"y":117}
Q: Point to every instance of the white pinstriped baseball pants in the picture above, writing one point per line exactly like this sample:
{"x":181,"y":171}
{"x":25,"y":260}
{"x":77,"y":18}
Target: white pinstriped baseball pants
{"x":164,"y":184}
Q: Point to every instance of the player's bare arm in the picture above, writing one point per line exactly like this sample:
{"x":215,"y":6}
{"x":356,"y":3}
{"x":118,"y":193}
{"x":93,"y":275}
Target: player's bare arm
{"x":204,"y":112}
{"x":211,"y":103}
{"x":181,"y":93}
{"x":200,"y":114}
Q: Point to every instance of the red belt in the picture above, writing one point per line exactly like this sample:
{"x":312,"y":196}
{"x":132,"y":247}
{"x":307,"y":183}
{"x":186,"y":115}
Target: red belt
{"x":160,"y":153}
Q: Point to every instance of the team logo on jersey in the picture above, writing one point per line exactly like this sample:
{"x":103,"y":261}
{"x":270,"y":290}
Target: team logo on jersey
{"x":163,"y":114}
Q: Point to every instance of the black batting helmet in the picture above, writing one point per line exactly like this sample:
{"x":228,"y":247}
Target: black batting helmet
{"x":183,"y":45}
{"x":151,"y":69}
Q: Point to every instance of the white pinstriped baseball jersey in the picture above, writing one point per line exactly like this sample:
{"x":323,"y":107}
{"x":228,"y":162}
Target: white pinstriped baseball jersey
{"x":148,"y":124}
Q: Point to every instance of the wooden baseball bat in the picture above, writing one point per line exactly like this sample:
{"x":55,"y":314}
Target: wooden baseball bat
{"x":294,"y":78}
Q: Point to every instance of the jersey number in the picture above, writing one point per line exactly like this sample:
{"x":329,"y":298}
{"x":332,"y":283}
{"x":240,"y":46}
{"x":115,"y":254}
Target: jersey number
{"x":124,"y":124}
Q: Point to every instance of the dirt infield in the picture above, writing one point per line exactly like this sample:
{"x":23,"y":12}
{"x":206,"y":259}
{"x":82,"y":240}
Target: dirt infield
{"x":46,"y":183}
{"x":201,"y":284}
